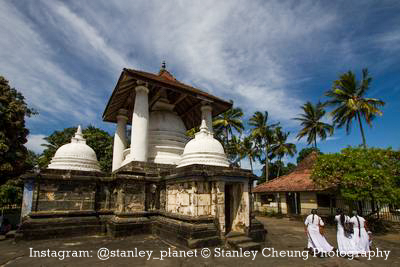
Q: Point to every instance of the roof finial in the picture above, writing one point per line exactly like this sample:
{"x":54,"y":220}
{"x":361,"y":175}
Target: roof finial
{"x":163,"y":65}
{"x":78,"y":136}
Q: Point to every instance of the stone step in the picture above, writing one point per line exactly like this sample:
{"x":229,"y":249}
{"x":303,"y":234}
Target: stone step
{"x":246,"y":246}
{"x":233,"y":234}
{"x":11,"y":234}
{"x":238,"y":239}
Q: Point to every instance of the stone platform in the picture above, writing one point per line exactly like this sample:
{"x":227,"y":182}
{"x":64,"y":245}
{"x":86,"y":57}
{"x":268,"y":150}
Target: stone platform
{"x":193,"y":206}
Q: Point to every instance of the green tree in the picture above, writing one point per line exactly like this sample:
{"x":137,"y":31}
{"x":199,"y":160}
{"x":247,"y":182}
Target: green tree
{"x":234,"y":151}
{"x":348,"y":97}
{"x":229,"y":121}
{"x":191,"y":132}
{"x":361,"y":174}
{"x":13,"y":133}
{"x":312,"y":125}
{"x":275,"y":167}
{"x":250,"y":150}
{"x":281,"y":148}
{"x":262,"y":132}
{"x":305,"y":152}
{"x":99,"y":140}
{"x":102,"y":144}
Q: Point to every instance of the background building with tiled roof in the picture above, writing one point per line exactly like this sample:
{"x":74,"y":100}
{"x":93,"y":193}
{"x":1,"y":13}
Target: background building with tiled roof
{"x":294,"y":193}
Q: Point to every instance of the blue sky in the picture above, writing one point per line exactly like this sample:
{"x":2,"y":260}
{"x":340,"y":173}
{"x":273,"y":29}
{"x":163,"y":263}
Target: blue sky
{"x":66,"y":56}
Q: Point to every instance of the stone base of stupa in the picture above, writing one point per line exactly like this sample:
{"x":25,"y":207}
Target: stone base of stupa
{"x":193,"y":206}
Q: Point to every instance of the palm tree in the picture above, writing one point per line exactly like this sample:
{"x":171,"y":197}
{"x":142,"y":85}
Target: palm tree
{"x":312,"y":124}
{"x":234,"y":150}
{"x":281,"y":148}
{"x":250,"y":149}
{"x":347,"y":95}
{"x":263,"y":133}
{"x":228,"y":121}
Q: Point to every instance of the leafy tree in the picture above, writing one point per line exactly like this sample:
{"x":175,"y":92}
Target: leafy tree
{"x":276,"y":166}
{"x":234,"y":150}
{"x":312,"y":124}
{"x":11,"y":193}
{"x":13,"y":133}
{"x":348,"y":97}
{"x":281,"y":148}
{"x":262,"y":132}
{"x":290,"y":167}
{"x":250,"y":149}
{"x":102,"y":144}
{"x":225,"y":125}
{"x":99,"y":140}
{"x":305,"y":152}
{"x":228,"y":121}
{"x":191,"y":132}
{"x":361,"y":174}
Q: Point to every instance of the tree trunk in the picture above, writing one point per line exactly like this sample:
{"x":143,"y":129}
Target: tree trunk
{"x":362,"y":130}
{"x":251,"y":165}
{"x":266,"y":162}
{"x":279,"y":168}
{"x":315,"y":143}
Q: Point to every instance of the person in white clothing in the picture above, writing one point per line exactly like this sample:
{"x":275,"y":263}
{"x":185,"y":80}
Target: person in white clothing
{"x":344,"y":239}
{"x":360,"y":236}
{"x":313,"y":228}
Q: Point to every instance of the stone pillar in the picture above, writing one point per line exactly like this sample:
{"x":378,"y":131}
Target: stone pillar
{"x":119,"y":139}
{"x":207,"y":116}
{"x":140,"y":125}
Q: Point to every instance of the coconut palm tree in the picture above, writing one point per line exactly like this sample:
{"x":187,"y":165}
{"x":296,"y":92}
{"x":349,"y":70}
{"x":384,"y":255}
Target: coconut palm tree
{"x":347,"y":95}
{"x":234,"y":150}
{"x":312,"y":124}
{"x":281,"y":148}
{"x":228,"y":121}
{"x":250,"y":149}
{"x":262,"y":132}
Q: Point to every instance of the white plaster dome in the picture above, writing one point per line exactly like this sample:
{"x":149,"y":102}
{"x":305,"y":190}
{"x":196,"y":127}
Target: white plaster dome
{"x":167,"y":137}
{"x":76,"y":155}
{"x":204,"y":149}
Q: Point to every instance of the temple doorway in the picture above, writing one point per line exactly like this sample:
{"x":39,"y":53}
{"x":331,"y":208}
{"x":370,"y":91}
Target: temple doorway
{"x":233,"y":197}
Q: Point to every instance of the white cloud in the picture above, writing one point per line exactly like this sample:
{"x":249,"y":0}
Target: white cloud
{"x":27,"y":61}
{"x":258,"y":53}
{"x":35,"y":142}
{"x":84,"y":38}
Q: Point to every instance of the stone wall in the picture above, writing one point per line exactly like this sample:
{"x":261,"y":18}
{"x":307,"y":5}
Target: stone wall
{"x":191,"y":198}
{"x":308,"y":201}
{"x":241,"y":210}
{"x":139,"y":198}
{"x":130,"y":196}
{"x":64,"y":195}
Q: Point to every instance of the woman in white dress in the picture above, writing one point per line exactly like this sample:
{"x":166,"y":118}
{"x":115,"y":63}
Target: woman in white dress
{"x":316,"y":241}
{"x":344,"y":240}
{"x":360,"y":236}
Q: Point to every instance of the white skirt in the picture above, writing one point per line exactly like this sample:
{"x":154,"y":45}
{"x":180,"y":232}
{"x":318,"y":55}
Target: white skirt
{"x":361,"y":242}
{"x":317,"y":241}
{"x":345,"y":244}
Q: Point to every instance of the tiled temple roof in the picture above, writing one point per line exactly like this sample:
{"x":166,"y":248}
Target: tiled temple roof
{"x":298,"y":180}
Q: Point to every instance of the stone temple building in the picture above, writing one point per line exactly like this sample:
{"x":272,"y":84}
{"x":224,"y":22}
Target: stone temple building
{"x":161,"y":183}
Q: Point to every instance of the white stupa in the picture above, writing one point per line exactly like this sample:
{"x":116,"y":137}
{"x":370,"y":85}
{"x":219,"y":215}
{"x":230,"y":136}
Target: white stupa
{"x":76,"y":155}
{"x":167,"y":137}
{"x":204,"y":149}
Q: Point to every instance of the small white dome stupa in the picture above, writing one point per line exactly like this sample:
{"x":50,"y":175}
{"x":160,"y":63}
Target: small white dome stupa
{"x":204,"y":149}
{"x":76,"y":155}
